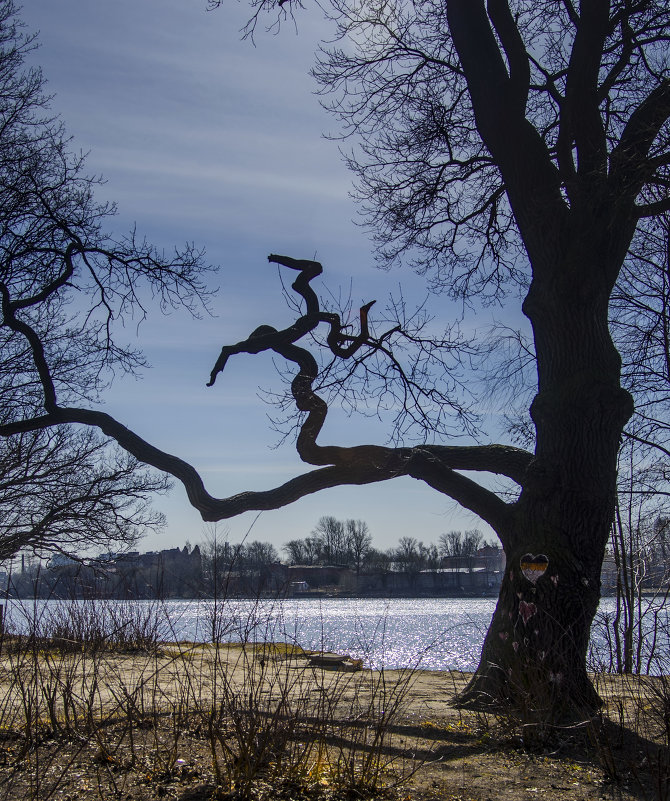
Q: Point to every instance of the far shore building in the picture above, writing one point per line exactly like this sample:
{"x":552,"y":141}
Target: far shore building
{"x":171,"y":573}
{"x":481,"y":577}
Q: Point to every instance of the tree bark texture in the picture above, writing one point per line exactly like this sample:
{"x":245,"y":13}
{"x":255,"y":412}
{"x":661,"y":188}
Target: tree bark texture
{"x":534,"y":656}
{"x":576,"y":235}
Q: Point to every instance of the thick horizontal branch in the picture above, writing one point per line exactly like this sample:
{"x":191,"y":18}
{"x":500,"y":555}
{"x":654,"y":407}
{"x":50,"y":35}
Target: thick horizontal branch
{"x":129,"y":441}
{"x":503,"y":460}
{"x":653,"y":209}
{"x":361,"y":465}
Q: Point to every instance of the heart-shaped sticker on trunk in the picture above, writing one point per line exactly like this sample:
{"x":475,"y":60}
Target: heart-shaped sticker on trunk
{"x":534,"y":566}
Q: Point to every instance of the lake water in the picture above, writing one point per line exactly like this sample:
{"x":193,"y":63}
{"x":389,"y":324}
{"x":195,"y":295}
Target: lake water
{"x":433,"y":633}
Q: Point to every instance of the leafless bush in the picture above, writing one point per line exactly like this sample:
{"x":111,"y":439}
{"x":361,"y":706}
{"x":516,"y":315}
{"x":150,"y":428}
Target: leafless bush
{"x":96,"y":686}
{"x":94,"y":624}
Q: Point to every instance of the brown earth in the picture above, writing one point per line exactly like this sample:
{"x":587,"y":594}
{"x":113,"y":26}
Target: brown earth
{"x":80,"y":725}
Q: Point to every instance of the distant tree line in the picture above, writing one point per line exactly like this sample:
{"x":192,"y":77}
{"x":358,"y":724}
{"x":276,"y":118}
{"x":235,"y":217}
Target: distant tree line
{"x":333,"y":542}
{"x":345,"y":543}
{"x":170,"y":573}
{"x":349,"y":543}
{"x":218,"y":566}
{"x":221,"y":559}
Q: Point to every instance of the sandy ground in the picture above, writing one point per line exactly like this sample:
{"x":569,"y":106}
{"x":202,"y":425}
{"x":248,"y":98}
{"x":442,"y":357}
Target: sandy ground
{"x":140,"y":726}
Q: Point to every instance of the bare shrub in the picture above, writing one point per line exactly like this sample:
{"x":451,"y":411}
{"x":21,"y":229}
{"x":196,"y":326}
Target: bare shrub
{"x":84,"y":686}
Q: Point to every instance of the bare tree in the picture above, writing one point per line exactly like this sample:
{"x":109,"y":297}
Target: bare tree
{"x":331,"y":536}
{"x":259,"y":554}
{"x":298,"y":552}
{"x":359,"y":542}
{"x":295,"y":551}
{"x":332,"y":542}
{"x":379,"y":561}
{"x":407,"y":555}
{"x":472,"y":541}
{"x":65,"y":286}
{"x":430,"y":556}
{"x":451,"y":544}
{"x":459,"y":544}
{"x":525,"y":147}
{"x":518,"y":147}
{"x":70,"y":491}
{"x":412,"y":555}
{"x":639,"y":626}
{"x":640,"y":324}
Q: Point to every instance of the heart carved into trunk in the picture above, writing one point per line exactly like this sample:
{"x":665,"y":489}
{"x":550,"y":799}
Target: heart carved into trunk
{"x":534,"y":566}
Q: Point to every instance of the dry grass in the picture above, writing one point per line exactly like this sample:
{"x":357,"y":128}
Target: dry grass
{"x":88,"y":716}
{"x":239,"y":715}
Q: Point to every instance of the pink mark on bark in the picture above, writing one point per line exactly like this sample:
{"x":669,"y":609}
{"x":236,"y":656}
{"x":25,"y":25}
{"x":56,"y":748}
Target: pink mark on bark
{"x":515,"y":645}
{"x":503,"y":635}
{"x":526,"y":611}
{"x":555,"y":580}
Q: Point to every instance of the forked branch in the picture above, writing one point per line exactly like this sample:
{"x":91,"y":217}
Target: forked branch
{"x":364,"y":464}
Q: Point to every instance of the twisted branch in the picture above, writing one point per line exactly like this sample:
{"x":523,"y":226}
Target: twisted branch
{"x":363,"y":464}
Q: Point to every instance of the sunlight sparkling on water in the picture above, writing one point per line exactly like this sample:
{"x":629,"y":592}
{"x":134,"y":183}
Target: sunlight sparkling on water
{"x":431,"y":633}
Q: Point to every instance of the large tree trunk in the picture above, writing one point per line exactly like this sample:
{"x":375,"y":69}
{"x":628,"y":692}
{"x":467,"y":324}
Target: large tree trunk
{"x":534,"y":656}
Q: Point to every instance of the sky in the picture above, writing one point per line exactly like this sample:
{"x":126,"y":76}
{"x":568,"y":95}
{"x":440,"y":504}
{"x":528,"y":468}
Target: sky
{"x":204,"y":137}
